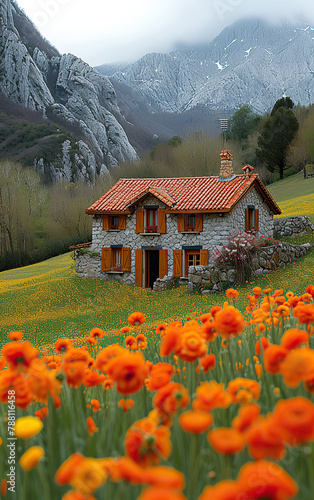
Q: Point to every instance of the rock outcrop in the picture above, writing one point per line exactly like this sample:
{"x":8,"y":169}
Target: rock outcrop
{"x":67,"y":90}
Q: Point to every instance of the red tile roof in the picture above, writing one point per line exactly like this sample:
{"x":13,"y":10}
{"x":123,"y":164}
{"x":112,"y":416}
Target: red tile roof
{"x":205,"y":194}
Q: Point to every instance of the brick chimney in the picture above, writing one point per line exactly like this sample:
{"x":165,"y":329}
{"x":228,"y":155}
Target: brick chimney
{"x":226,"y":170}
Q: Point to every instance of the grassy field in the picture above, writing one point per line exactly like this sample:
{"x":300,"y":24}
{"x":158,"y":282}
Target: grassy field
{"x":295,"y":195}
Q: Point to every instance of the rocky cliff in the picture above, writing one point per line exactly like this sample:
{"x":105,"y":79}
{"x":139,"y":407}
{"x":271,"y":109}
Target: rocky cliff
{"x":65,"y":89}
{"x":249,"y":62}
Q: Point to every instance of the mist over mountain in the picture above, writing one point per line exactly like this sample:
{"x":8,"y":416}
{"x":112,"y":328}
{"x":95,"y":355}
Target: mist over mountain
{"x":250,"y":62}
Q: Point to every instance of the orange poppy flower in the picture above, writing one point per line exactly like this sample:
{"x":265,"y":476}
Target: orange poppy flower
{"x":169,"y":399}
{"x":67,"y":470}
{"x":195,"y":421}
{"x":89,"y":475}
{"x":298,"y":366}
{"x":267,"y":291}
{"x":310,"y":290}
{"x":3,"y":487}
{"x":246,"y":416}
{"x":63,"y":345}
{"x":265,"y":344}
{"x":164,"y":476}
{"x":42,"y":381}
{"x":125,"y":468}
{"x":15,"y":336}
{"x":283,"y":311}
{"x":107,"y":354}
{"x":130,"y":342}
{"x":96,"y":333}
{"x":206,"y":363}
{"x":229,"y":321}
{"x":91,"y":426}
{"x":208,"y":331}
{"x":244,"y":390}
{"x":141,"y":341}
{"x":306,"y":297}
{"x":294,"y":301}
{"x":136,"y":319}
{"x":91,"y":341}
{"x":232,"y":294}
{"x":95,"y":404}
{"x":214,"y":310}
{"x":92,"y":378}
{"x":126,"y":404}
{"x":128,"y":371}
{"x":273,"y":357}
{"x":257,"y":291}
{"x":11,"y":380}
{"x":125,"y":329}
{"x":295,"y":417}
{"x":171,"y":341}
{"x":211,"y":395}
{"x":224,"y":490}
{"x":206,"y":317}
{"x":293,"y":338}
{"x":107,"y":384}
{"x":160,"y":375}
{"x":42,"y":413}
{"x":158,"y":492}
{"x":74,"y":373}
{"x":193,"y":346}
{"x":266,"y":440}
{"x":304,"y":313}
{"x":76,"y":495}
{"x":19,"y":354}
{"x":147,"y":443}
{"x":227,"y":441}
{"x":161,"y":329}
{"x":265,"y":479}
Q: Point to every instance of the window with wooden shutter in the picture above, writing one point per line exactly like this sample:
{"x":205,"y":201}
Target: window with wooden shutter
{"x":256,"y":220}
{"x":162,"y":220}
{"x":177,"y":263}
{"x":180,"y":223}
{"x":199,"y":222}
{"x":105,"y":222}
{"x":140,"y":221}
{"x":105,"y":259}
{"x":163,"y":263}
{"x":122,"y":222}
{"x":204,"y":257}
{"x":126,"y":260}
{"x":139,"y":267}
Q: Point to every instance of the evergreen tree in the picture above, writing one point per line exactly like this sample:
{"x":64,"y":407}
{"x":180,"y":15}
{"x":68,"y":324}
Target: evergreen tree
{"x":275,"y":137}
{"x":242,"y":123}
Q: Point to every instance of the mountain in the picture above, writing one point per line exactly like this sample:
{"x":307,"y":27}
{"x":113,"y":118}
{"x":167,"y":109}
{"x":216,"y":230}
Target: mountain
{"x":250,"y":62}
{"x":64,"y":90}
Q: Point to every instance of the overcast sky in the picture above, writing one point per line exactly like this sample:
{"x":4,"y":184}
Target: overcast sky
{"x":107,"y":31}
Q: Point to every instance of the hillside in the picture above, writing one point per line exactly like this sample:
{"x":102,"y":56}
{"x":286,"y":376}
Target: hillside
{"x":66,"y":90}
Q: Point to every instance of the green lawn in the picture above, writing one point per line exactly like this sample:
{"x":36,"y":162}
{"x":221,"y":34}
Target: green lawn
{"x":293,"y":186}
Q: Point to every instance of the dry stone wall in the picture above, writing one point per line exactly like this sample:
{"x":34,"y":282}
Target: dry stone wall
{"x":288,"y":226}
{"x":214,"y":278}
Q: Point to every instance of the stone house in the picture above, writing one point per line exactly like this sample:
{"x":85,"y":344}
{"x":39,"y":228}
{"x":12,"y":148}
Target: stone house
{"x":144,"y":229}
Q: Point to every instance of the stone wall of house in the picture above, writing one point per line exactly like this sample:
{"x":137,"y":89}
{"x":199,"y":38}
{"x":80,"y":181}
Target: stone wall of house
{"x":288,"y":226}
{"x":213,"y":278}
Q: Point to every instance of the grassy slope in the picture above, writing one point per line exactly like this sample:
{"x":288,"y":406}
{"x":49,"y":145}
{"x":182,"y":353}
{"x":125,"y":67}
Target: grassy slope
{"x":295,"y":195}
{"x":47,"y":300}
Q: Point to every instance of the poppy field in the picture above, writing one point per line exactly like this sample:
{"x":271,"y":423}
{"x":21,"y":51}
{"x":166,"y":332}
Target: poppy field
{"x":215,"y":406}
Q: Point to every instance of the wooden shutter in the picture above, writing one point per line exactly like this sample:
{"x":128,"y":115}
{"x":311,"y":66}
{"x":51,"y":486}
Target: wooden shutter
{"x":199,"y":222}
{"x":162,"y":220}
{"x":180,"y":223}
{"x":126,"y":260}
{"x":204,"y":257}
{"x":247,"y":219}
{"x":122,"y":219}
{"x":139,"y":267}
{"x":105,"y":259}
{"x":177,"y":263}
{"x":256,"y":220}
{"x":140,"y":221}
{"x":163,"y":263}
{"x":105,"y":222}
